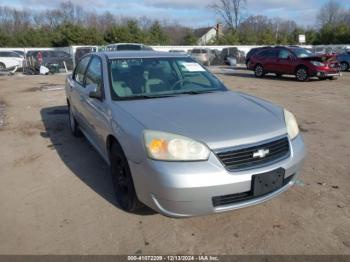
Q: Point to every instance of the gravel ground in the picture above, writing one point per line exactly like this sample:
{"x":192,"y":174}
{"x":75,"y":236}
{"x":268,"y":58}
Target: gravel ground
{"x":56,"y":195}
{"x":2,"y":114}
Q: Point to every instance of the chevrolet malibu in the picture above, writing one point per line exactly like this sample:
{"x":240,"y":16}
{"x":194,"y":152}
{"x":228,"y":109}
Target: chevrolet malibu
{"x":176,"y":139}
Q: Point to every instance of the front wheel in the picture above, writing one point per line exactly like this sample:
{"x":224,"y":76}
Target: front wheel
{"x":122,"y":180}
{"x":301,"y":74}
{"x":259,"y":71}
{"x":2,"y":66}
{"x":344,"y":66}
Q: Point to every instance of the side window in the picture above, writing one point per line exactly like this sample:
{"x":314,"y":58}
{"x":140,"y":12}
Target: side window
{"x":80,"y":70}
{"x":13,"y":54}
{"x":94,"y":74}
{"x":264,"y":53}
{"x":273,"y":53}
{"x":62,"y":54}
{"x":284,"y":54}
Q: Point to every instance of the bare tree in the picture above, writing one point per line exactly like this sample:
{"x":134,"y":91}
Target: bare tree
{"x":329,"y":13}
{"x":230,"y":11}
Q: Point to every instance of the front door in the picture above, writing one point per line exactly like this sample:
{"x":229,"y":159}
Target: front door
{"x":95,"y":109}
{"x":285,"y":62}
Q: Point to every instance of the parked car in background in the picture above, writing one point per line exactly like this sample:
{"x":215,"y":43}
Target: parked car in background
{"x":10,"y":59}
{"x":232,"y":52}
{"x":127,"y":47}
{"x":168,"y":129}
{"x":344,"y":60}
{"x":180,"y":51}
{"x":49,"y":58}
{"x":252,"y":52}
{"x":81,"y":51}
{"x":202,"y":55}
{"x":215,"y":57}
{"x":293,"y":61}
{"x":21,"y":53}
{"x":320,"y":51}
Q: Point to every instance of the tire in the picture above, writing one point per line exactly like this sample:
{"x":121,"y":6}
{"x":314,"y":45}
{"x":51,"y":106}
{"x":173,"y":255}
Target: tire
{"x":2,"y":66}
{"x":259,"y":71}
{"x":344,"y":66}
{"x":73,"y":124}
{"x":279,"y":75}
{"x":332,"y":78}
{"x":122,"y":180}
{"x":301,"y":74}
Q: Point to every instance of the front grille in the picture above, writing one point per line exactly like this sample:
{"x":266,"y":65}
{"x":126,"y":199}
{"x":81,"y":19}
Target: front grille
{"x":243,"y":158}
{"x":235,"y":198}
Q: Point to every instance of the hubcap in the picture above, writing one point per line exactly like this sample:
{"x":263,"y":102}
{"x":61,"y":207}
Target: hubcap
{"x":301,"y":74}
{"x":258,"y":70}
{"x":121,"y":181}
{"x":343,"y":66}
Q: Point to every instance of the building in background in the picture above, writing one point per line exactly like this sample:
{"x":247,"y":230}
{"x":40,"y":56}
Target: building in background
{"x":207,"y":35}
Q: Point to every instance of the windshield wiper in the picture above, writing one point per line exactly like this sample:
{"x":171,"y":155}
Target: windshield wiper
{"x":192,"y":92}
{"x":145,"y":97}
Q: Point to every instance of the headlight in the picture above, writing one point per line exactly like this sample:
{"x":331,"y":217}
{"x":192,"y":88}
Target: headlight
{"x":316,"y":63}
{"x":171,"y":147}
{"x":291,"y":123}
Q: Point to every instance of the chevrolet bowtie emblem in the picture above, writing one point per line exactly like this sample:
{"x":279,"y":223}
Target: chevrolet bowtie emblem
{"x":261,"y":153}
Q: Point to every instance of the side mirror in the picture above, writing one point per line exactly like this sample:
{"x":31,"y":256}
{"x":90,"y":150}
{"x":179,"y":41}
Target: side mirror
{"x":95,"y":94}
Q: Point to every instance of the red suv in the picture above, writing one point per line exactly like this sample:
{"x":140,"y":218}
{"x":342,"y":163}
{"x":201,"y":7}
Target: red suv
{"x":293,"y":61}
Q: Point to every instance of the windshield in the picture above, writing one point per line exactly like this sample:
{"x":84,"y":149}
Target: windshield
{"x":158,"y":77}
{"x":301,"y":52}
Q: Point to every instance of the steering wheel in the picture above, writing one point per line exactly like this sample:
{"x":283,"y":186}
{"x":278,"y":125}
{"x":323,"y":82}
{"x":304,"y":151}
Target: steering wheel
{"x":181,"y":81}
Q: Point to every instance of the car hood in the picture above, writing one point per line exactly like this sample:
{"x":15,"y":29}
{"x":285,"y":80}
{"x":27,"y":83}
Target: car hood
{"x":321,"y":58}
{"x":220,"y":119}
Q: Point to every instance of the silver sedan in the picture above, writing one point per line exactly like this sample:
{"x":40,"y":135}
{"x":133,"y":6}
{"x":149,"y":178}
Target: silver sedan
{"x":176,"y":139}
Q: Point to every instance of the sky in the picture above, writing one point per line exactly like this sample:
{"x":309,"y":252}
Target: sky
{"x":194,"y":13}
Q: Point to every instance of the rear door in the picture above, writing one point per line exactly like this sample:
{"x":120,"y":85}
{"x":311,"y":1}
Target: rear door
{"x":76,"y":91}
{"x":268,"y":59}
{"x":271,"y":60}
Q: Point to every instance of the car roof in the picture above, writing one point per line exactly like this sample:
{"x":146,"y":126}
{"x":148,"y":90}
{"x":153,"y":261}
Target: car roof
{"x":140,"y":54}
{"x":125,"y":44}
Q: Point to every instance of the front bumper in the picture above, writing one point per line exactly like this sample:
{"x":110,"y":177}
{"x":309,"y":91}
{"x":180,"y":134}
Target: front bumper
{"x":187,"y":189}
{"x":326,"y":74}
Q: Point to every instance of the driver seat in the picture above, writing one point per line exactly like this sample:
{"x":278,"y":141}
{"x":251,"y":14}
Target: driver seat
{"x":155,"y":83}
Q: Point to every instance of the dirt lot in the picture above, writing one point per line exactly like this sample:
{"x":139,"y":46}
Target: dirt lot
{"x":56,"y":195}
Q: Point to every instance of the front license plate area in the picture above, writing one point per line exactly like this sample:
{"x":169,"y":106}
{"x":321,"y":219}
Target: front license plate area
{"x":265,"y":183}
